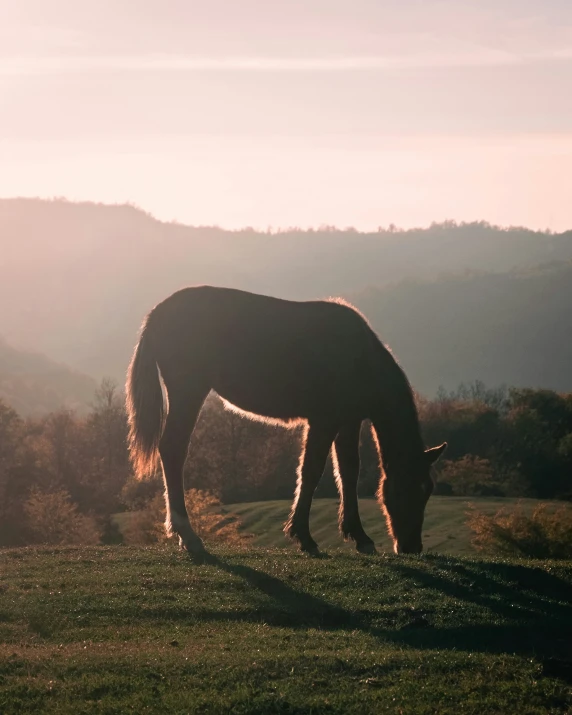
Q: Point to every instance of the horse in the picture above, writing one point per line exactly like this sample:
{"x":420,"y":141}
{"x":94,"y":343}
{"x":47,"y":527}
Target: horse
{"x":289,"y":362}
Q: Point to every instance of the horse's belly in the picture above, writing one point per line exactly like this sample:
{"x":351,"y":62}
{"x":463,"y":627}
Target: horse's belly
{"x":287,"y":393}
{"x":269,"y":399}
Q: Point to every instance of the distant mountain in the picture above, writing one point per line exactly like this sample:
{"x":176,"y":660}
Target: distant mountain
{"x":76,"y":280}
{"x":33,"y":384}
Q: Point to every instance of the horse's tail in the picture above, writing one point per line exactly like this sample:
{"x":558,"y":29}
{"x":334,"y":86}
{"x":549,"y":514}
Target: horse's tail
{"x":145,"y":407}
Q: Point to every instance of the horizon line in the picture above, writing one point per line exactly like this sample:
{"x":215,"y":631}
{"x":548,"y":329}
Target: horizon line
{"x":277,"y":230}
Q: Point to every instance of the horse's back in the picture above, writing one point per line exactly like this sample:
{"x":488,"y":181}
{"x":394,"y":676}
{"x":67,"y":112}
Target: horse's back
{"x":270,"y":356}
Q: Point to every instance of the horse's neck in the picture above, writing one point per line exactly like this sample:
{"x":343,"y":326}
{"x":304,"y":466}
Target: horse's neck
{"x":395,"y":417}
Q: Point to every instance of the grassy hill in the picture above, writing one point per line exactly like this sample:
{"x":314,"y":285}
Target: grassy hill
{"x":444,"y":529}
{"x":120,"y":629}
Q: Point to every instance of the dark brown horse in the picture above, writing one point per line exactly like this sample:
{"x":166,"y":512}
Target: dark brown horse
{"x":317,"y":362}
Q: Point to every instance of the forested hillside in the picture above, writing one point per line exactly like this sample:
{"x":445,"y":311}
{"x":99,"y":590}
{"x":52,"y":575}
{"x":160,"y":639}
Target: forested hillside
{"x":33,"y":384}
{"x":455,"y":302}
{"x":510,"y":328}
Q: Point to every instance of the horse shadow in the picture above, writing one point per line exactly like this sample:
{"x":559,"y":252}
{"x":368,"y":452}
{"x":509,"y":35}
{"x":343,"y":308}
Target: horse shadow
{"x":285,"y":606}
{"x":533,"y":605}
{"x":524,"y":609}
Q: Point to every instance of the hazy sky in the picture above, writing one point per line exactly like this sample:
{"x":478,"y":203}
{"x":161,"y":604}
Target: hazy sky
{"x":292,"y":112}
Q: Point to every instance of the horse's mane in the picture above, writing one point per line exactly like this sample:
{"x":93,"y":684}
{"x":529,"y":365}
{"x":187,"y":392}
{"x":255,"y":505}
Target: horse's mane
{"x":401,"y":398}
{"x":400,"y":429}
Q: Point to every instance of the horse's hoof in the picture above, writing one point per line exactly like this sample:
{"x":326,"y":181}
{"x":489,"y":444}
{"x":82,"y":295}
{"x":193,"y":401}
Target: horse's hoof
{"x":312,"y":551}
{"x":198,"y":556}
{"x":195,"y":549}
{"x":368,"y":548}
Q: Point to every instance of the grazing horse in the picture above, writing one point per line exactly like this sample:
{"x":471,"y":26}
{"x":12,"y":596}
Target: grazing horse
{"x":318,"y":362}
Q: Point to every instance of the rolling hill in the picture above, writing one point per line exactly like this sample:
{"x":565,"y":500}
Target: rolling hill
{"x":444,"y":529}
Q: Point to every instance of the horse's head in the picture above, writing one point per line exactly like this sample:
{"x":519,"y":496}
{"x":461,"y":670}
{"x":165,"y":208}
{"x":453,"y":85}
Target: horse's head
{"x":404,"y":500}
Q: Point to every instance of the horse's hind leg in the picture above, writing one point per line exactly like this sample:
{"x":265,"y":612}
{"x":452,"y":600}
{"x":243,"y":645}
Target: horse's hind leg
{"x":347,"y":453}
{"x":313,"y":460}
{"x":184,"y":408}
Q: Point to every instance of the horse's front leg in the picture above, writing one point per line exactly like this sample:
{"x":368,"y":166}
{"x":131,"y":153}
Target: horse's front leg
{"x":347,"y":453}
{"x":319,"y":438}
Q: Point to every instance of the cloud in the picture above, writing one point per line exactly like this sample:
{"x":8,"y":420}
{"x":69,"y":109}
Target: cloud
{"x":478,"y":57}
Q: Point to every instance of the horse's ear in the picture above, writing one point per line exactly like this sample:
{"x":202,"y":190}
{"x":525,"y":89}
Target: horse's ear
{"x":433,"y":454}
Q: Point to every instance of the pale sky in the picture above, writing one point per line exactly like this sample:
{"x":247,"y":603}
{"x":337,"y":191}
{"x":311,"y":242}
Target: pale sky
{"x":292,"y":112}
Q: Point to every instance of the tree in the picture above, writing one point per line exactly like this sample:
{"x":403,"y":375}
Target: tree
{"x":52,"y":518}
{"x":106,"y":430}
{"x":11,"y":461}
{"x":470,"y":476}
{"x":240,"y":459}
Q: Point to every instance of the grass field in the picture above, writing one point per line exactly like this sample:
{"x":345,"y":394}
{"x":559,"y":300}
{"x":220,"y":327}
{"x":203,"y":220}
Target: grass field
{"x":445,"y":529}
{"x":124,"y":629}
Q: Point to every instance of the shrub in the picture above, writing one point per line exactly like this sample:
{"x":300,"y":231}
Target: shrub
{"x":206,"y":513}
{"x":52,"y":518}
{"x":544,"y":533}
{"x":146,"y":525}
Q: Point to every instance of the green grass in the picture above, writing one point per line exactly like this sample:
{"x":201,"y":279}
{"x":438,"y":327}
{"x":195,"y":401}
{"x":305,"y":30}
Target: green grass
{"x":123,"y":629}
{"x":444,"y":530}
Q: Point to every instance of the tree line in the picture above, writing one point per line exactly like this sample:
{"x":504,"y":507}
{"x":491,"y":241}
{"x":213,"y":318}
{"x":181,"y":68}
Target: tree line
{"x":502,"y":442}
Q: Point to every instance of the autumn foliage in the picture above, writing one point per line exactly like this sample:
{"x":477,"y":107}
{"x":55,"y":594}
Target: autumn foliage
{"x":52,"y":518}
{"x":66,"y":478}
{"x":210,"y":520}
{"x":544,"y":533}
